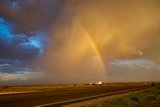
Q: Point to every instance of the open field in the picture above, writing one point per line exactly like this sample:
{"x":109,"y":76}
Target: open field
{"x":63,"y":87}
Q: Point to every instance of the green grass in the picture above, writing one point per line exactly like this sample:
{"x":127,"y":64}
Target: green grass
{"x":147,"y":98}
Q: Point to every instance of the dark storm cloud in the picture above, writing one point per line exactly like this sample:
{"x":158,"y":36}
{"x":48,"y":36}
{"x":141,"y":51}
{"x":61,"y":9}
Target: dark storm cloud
{"x":24,"y":26}
{"x":19,"y":46}
{"x":31,"y":14}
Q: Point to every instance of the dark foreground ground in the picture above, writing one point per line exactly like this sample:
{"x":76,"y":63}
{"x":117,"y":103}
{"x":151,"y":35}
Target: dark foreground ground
{"x":147,"y":98}
{"x":66,"y":92}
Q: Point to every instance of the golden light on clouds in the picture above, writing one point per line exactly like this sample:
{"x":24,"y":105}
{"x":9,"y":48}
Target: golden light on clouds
{"x":89,"y":32}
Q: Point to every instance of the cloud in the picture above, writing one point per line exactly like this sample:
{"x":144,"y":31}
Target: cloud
{"x":25,"y":78}
{"x":4,"y":77}
{"x":13,"y":66}
{"x":136,"y":63}
{"x":30,"y":15}
{"x":127,"y":29}
{"x":20,"y":46}
{"x":133,"y":70}
{"x":120,"y":28}
{"x":64,"y":37}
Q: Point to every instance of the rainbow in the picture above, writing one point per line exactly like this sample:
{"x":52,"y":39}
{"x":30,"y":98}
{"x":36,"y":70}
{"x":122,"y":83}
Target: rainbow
{"x":89,"y":38}
{"x":93,"y":45}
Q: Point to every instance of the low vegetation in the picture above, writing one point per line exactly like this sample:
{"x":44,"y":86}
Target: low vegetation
{"x":146,"y":98}
{"x":42,"y":88}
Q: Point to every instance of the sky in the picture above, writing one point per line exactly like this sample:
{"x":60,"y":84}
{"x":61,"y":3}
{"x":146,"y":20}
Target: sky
{"x":74,"y":41}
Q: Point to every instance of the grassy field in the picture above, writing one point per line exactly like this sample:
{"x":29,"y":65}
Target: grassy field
{"x":146,"y":98}
{"x":41,"y":88}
